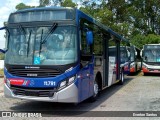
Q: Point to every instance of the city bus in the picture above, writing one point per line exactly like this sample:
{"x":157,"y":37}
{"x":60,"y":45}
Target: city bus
{"x":129,"y":58}
{"x":59,"y":55}
{"x":135,"y":59}
{"x":124,"y":57}
{"x":150,"y":58}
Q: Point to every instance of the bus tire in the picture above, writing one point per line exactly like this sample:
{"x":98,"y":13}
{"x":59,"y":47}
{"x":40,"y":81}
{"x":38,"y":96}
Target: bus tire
{"x":121,"y":78}
{"x":96,"y":92}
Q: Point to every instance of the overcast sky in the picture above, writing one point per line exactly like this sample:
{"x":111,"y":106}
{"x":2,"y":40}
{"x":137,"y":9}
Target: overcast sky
{"x":7,"y":7}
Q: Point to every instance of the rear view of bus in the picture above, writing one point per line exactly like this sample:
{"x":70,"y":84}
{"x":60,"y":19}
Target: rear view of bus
{"x":151,"y":58}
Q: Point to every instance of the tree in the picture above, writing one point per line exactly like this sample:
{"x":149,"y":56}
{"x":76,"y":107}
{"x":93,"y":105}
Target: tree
{"x":43,"y":3}
{"x":63,"y":3}
{"x":68,"y":3}
{"x":140,"y":40}
{"x":21,"y":6}
{"x":144,"y":15}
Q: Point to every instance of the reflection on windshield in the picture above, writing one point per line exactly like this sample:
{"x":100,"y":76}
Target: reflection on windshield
{"x":132,"y":53}
{"x":59,"y":47}
{"x":123,"y":54}
{"x":152,"y":55}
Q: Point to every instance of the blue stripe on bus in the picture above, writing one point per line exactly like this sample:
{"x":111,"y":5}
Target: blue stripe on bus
{"x":42,"y":82}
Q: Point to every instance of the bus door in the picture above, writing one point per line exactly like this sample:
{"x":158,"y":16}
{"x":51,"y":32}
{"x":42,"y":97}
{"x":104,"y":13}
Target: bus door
{"x":138,"y":58}
{"x":86,"y":67}
{"x":112,"y":62}
{"x":133,"y":63}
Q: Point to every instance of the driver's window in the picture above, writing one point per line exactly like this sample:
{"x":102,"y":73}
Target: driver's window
{"x":85,"y":49}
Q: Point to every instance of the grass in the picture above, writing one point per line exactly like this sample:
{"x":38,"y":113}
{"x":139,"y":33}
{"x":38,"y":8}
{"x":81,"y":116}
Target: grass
{"x":1,"y":72}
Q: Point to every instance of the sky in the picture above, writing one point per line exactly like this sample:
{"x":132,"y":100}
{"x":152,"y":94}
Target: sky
{"x":7,"y":7}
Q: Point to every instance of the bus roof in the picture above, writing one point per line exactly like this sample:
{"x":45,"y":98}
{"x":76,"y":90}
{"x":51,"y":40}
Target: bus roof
{"x":43,"y":8}
{"x":80,"y":14}
{"x":107,"y":29}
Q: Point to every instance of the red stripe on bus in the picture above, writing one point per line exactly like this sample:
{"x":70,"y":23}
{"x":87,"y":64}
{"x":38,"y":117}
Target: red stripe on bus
{"x":16,"y":81}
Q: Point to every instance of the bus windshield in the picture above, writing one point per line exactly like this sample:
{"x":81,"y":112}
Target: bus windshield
{"x":42,"y":45}
{"x":152,"y":55}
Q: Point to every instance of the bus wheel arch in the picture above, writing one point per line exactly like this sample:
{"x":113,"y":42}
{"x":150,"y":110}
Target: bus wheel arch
{"x":98,"y":79}
{"x":96,"y":87}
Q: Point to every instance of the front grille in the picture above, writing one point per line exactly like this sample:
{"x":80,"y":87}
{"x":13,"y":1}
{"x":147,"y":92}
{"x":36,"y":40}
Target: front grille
{"x":41,"y":73}
{"x":34,"y":92}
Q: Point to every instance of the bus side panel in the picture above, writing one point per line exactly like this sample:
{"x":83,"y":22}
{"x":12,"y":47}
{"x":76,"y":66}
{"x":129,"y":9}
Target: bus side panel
{"x":85,"y":77}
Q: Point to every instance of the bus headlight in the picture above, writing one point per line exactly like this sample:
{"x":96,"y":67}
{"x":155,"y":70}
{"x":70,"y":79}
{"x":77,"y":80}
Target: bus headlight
{"x":65,"y":83}
{"x":8,"y":82}
{"x":70,"y":80}
{"x":62,"y":84}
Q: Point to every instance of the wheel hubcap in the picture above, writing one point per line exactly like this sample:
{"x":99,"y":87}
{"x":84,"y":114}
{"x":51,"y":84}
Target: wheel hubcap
{"x":122,"y":76}
{"x":95,"y":88}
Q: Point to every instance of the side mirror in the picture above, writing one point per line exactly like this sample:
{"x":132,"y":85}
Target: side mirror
{"x":135,"y":53}
{"x":89,"y":37}
{"x":2,"y":28}
{"x":3,"y":51}
{"x":128,"y":53}
{"x":141,"y":53}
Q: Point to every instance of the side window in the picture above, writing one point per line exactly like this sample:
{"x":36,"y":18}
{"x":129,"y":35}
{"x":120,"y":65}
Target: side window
{"x":98,"y":41}
{"x":132,"y":53}
{"x":85,"y":49}
{"x":125,"y":53}
{"x":84,"y":27}
{"x":112,"y":48}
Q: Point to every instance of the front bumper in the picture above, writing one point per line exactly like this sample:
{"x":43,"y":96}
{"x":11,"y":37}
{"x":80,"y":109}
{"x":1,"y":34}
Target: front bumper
{"x":150,"y":70}
{"x":66,"y":95}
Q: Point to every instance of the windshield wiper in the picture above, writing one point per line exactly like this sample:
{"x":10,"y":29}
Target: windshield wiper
{"x":53,"y":27}
{"x":40,"y":47}
{"x":22,"y":30}
{"x":42,"y":41}
{"x":29,"y":38}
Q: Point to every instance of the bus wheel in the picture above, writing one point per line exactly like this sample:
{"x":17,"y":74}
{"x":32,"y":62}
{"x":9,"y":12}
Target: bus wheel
{"x":96,"y":91}
{"x":121,"y":78}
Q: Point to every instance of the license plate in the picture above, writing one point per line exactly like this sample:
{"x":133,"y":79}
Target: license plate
{"x":31,"y":93}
